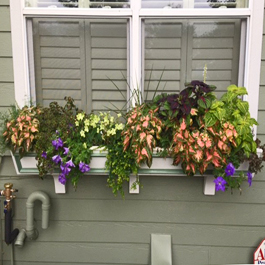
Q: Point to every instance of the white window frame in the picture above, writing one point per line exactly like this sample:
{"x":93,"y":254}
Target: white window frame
{"x":254,"y":15}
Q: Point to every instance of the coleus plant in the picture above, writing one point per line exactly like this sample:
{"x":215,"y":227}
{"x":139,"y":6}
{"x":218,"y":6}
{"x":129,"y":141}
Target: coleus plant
{"x":231,"y":108}
{"x":141,"y":132}
{"x":174,"y":108}
{"x":22,"y":129}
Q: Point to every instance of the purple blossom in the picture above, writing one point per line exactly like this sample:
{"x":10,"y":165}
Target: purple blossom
{"x":44,"y":154}
{"x":230,"y":170}
{"x":65,"y":169}
{"x":57,"y":159}
{"x":66,"y":150}
{"x":57,"y":143}
{"x":70,"y":163}
{"x":249,"y":174}
{"x":219,"y":184}
{"x":83,"y":167}
{"x":62,"y":179}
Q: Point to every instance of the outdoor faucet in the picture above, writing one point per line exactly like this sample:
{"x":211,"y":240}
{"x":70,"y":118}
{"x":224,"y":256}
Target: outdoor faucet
{"x":8,"y":211}
{"x":30,"y":232}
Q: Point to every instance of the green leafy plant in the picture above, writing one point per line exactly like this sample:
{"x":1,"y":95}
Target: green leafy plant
{"x":52,"y":118}
{"x":193,"y":127}
{"x":231,"y":108}
{"x":73,"y":153}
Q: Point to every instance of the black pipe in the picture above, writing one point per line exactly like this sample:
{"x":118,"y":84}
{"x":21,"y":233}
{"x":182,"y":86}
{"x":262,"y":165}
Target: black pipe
{"x":9,"y":236}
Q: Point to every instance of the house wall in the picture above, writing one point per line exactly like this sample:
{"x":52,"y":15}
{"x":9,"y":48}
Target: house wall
{"x":91,"y":226}
{"x":6,"y":65}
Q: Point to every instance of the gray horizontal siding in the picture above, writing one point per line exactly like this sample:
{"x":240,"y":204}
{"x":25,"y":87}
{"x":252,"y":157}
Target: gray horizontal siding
{"x":109,"y":230}
{"x":6,"y":64}
{"x":4,"y":18}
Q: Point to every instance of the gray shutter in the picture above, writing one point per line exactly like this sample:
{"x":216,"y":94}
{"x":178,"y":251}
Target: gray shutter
{"x":108,"y":62}
{"x":77,"y":58}
{"x":59,"y":55}
{"x":216,"y":44}
{"x":165,"y":54}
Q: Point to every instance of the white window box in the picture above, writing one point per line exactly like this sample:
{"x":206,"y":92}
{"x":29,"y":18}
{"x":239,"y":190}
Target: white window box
{"x":160,"y":167}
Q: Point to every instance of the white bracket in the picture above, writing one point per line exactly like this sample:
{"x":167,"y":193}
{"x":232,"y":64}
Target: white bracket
{"x":209,"y":185}
{"x":59,"y":187}
{"x":132,"y":189}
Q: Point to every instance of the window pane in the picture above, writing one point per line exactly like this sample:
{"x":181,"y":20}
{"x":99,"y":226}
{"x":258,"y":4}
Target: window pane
{"x":78,"y":3}
{"x":162,"y":3}
{"x":194,"y":4}
{"x":221,"y":3}
{"x":176,"y":52}
{"x":78,"y":58}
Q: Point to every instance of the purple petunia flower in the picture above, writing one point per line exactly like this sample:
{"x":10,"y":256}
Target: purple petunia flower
{"x":249,"y":174}
{"x":66,"y":150}
{"x":57,"y":159}
{"x":70,"y":163}
{"x":230,"y":170}
{"x":62,"y":179}
{"x":83,"y":167}
{"x":44,"y":154}
{"x":219,"y":184}
{"x":65,"y":169}
{"x":57,"y":143}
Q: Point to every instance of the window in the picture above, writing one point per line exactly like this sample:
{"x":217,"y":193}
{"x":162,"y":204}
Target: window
{"x":176,"y":38}
{"x":194,"y":3}
{"x":78,"y":3}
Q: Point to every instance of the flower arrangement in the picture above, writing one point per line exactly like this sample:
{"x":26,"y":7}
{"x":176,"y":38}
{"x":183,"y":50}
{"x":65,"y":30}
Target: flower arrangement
{"x":199,"y":131}
{"x":73,"y":154}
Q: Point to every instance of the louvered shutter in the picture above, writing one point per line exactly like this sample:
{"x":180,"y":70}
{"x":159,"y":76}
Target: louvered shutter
{"x":216,"y":44}
{"x":165,"y":56}
{"x":182,"y":48}
{"x":59,"y":51}
{"x":108,"y":62}
{"x":78,"y":58}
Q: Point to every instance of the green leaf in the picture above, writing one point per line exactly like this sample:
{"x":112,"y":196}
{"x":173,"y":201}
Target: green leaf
{"x":229,"y":97}
{"x":205,"y":104}
{"x":252,"y":121}
{"x":219,"y":114}
{"x":238,"y":141}
{"x":237,"y":90}
{"x":217,"y":104}
{"x":254,"y":146}
{"x":210,"y":119}
{"x":247,"y":146}
{"x":243,"y":106}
